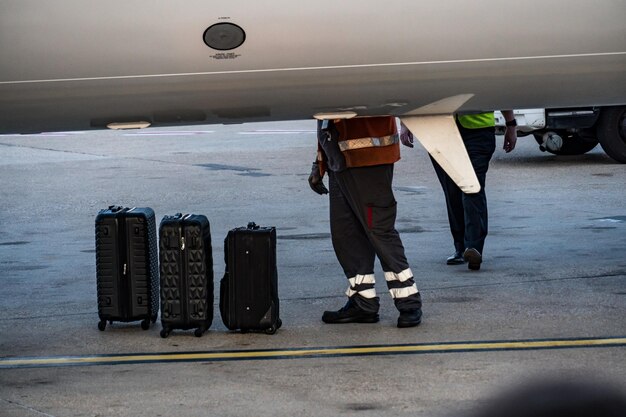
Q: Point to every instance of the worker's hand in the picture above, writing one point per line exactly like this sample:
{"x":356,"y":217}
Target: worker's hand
{"x":406,"y":137}
{"x":315,"y":180}
{"x":510,"y":139}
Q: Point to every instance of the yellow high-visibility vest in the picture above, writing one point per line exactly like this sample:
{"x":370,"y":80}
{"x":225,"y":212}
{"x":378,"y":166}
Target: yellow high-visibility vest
{"x":477,"y":121}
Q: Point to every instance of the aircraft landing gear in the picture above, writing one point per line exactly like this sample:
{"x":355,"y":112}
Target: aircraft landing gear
{"x":562,"y":142}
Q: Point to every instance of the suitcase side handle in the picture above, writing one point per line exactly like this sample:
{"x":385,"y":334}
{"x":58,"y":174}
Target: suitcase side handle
{"x":253,"y":226}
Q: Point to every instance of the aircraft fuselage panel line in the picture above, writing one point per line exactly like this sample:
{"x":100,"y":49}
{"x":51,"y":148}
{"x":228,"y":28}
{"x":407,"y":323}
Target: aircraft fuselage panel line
{"x":236,"y":96}
{"x":314,"y":68}
{"x":303,"y":353}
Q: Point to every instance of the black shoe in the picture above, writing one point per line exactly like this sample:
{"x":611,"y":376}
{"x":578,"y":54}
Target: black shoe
{"x":350,"y":313}
{"x":410,"y":318}
{"x":456,"y":259}
{"x":473,"y":258}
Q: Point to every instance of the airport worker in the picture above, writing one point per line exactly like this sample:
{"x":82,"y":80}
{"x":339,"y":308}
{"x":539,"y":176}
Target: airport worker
{"x":467,"y":213}
{"x":358,"y":155}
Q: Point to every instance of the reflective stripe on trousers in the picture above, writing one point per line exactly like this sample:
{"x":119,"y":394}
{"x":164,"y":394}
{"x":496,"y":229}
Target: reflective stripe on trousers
{"x":401,"y":285}
{"x":362,"y":285}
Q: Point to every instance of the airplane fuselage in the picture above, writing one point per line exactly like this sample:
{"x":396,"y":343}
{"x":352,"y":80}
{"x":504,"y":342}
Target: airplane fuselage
{"x":73,"y":65}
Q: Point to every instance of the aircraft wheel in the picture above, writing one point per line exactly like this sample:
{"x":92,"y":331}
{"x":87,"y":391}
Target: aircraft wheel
{"x":567,"y":143}
{"x":612,"y":132}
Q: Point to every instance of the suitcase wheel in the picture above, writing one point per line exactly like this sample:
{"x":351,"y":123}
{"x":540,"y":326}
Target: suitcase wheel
{"x":275,"y":327}
{"x":198,"y":332}
{"x":102,"y":324}
{"x":164,"y":333}
{"x":145,"y":324}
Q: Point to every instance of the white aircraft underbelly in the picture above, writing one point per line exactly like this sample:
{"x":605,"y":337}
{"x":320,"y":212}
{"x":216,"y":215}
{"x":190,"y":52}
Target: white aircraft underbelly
{"x":75,"y":65}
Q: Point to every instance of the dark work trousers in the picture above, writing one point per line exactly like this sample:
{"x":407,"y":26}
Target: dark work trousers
{"x":362,"y":224}
{"x":467,"y":213}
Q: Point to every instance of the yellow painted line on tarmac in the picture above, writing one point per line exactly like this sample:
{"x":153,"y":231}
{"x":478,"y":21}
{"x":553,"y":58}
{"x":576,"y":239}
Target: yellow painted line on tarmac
{"x":59,"y":361}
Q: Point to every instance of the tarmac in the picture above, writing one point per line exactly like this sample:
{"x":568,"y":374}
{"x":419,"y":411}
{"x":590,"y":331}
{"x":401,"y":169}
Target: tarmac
{"x":548,"y":302}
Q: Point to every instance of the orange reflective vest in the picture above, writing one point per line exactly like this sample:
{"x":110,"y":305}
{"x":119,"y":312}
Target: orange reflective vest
{"x":365,"y":141}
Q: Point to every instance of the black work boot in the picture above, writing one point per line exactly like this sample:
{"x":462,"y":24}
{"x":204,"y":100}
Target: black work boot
{"x":410,"y":318}
{"x":350,"y":313}
{"x":473,"y":258}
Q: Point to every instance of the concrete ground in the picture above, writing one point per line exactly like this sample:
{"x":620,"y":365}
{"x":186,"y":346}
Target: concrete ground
{"x":555,"y":269}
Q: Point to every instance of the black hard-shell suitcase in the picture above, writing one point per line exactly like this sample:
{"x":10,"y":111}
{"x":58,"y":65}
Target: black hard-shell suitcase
{"x":127,"y":269}
{"x":249,"y":289}
{"x":186,"y":266}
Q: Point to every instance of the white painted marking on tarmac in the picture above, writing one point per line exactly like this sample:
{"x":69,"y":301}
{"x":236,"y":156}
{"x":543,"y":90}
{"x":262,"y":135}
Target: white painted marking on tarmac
{"x":25,"y":407}
{"x":172,"y":133}
{"x":63,"y":133}
{"x":45,"y":134}
{"x":276,"y":132}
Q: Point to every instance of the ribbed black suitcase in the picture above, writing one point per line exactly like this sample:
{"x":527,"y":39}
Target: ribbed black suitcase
{"x":127,"y":269}
{"x":249,"y":289}
{"x":186,"y":266}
